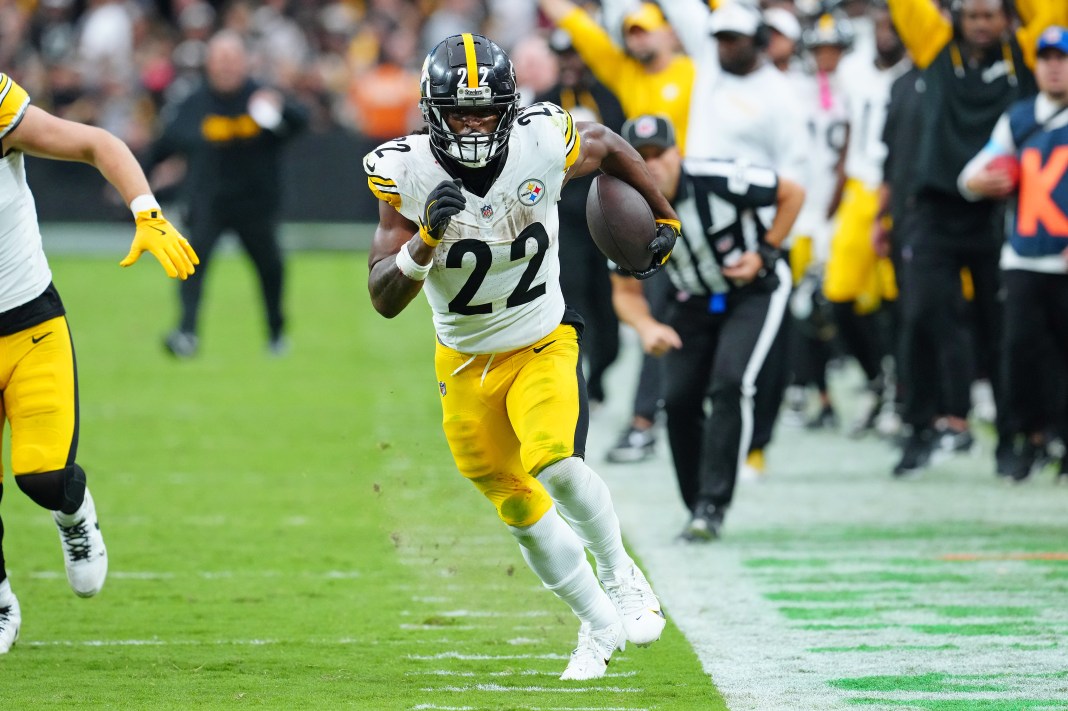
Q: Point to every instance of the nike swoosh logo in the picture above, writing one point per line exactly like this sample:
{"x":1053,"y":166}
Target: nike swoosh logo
{"x":162,"y":232}
{"x":371,"y":167}
{"x":541,"y":348}
{"x":38,"y":339}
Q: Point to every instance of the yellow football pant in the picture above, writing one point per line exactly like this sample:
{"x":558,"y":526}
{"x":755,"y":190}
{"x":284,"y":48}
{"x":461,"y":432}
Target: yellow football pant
{"x":40,"y":397}
{"x":509,"y":415}
{"x":854,"y":272}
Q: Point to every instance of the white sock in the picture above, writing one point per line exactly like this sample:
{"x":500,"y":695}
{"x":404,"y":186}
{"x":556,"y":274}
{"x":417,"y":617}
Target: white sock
{"x":555,"y":554}
{"x":583,"y":500}
{"x":6,"y":594}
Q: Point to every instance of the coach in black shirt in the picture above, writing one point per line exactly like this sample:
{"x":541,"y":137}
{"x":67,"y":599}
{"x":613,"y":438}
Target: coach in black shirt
{"x":231,"y":132}
{"x":730,"y":293}
{"x":972,"y":67}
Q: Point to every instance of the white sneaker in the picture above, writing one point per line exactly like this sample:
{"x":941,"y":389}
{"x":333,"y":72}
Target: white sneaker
{"x":638,"y":606}
{"x":10,"y":617}
{"x":83,"y":548}
{"x":594,"y":651}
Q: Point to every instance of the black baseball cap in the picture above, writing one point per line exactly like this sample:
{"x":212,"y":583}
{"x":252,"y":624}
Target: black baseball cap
{"x":649,"y":130}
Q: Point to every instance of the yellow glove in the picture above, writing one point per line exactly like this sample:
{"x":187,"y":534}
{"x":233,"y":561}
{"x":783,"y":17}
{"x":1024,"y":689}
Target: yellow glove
{"x":156,"y":235}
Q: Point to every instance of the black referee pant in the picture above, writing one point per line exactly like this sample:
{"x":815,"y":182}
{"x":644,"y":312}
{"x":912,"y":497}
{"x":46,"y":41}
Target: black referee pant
{"x":720,"y":359}
{"x":258,"y":233}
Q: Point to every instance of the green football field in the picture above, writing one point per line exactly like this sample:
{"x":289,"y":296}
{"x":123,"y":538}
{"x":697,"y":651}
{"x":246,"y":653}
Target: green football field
{"x":291,"y":534}
{"x":287,"y":533}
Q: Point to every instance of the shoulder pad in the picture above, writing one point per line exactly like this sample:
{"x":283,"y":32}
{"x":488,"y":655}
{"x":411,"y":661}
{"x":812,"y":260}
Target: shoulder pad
{"x":13,"y":103}
{"x":384,"y":169}
{"x":561,"y":122}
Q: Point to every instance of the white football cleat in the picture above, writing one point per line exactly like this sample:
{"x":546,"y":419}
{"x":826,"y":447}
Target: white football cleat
{"x":84,"y":553}
{"x":594,"y":651}
{"x":638,"y":606}
{"x":10,"y":617}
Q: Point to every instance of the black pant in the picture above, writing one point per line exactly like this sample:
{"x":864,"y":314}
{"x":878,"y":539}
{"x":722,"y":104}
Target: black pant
{"x":1035,"y":350}
{"x":649,"y":393}
{"x":584,"y":280}
{"x":258,"y":233}
{"x":721,"y":355}
{"x":945,"y":339}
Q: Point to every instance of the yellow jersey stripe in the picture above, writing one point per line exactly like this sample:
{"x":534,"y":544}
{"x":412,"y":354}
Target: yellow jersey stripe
{"x":571,"y":141}
{"x":383,"y":182}
{"x":13,"y":103}
{"x":472,"y":64}
{"x":573,"y":151}
{"x":394,"y":199}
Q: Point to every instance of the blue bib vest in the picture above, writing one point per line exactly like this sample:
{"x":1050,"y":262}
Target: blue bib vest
{"x":1040,"y":225}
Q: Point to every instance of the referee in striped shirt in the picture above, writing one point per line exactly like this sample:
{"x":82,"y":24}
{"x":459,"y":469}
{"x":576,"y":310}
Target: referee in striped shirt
{"x":730,"y":293}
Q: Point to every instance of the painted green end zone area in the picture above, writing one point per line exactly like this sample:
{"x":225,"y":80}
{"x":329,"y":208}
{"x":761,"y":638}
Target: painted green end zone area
{"x":287,"y":533}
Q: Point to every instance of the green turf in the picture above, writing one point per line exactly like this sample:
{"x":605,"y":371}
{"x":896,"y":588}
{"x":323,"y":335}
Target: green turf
{"x":287,"y":533}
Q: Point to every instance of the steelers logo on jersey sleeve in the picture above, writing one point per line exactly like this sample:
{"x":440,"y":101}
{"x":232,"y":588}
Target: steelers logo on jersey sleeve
{"x":531,"y":191}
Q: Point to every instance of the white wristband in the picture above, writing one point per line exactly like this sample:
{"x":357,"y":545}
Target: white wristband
{"x":409,"y":267}
{"x":142,"y":203}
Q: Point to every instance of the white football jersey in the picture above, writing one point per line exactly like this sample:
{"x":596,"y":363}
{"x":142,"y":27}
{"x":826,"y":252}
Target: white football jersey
{"x":494,"y":284}
{"x":827,"y":125}
{"x":24,"y":271}
{"x":867,"y":92}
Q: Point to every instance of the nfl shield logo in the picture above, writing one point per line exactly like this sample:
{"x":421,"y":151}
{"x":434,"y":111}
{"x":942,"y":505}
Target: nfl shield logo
{"x":441,"y":387}
{"x":531,"y":191}
{"x":487,"y":211}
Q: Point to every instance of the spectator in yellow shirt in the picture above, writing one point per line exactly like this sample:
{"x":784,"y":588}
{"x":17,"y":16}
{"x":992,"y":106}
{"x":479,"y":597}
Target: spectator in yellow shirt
{"x":648,"y":75}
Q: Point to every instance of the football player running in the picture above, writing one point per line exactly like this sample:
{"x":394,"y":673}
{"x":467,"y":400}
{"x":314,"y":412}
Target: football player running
{"x":468,"y":216}
{"x":38,"y":380}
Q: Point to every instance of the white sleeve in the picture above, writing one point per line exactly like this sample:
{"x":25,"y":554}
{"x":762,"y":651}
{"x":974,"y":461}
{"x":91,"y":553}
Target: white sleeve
{"x":1000,"y":144}
{"x":612,"y":14}
{"x":689,"y":18}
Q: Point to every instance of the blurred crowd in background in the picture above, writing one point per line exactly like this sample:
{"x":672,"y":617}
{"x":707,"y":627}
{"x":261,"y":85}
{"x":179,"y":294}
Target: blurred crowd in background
{"x":120,"y":64}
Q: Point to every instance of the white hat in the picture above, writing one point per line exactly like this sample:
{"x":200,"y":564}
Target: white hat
{"x":784,"y":22}
{"x":735,"y":16}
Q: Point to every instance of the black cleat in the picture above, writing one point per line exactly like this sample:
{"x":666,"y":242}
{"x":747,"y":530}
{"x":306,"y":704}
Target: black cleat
{"x":915,"y":452}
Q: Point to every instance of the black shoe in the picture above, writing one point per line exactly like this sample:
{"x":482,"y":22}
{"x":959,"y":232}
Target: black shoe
{"x":1023,"y":459}
{"x":915,"y":453}
{"x":634,"y":445}
{"x":704,"y":526}
{"x":181,"y":344}
{"x":951,"y":441}
{"x":824,"y":419}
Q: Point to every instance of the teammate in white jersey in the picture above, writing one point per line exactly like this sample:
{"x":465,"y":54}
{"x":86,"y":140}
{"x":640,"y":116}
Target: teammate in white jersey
{"x":858,"y":282}
{"x":38,"y":381}
{"x":468,"y":216}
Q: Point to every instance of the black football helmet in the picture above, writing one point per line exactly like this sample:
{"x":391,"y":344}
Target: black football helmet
{"x":467,"y":71}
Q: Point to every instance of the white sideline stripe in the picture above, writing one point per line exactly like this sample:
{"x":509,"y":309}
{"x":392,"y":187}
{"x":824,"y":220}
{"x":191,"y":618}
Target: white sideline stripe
{"x":547,"y":689}
{"x":480,"y":613}
{"x":154,"y":642}
{"x":483,"y":657}
{"x":208,"y":574}
{"x":435,"y":707}
{"x":437,"y":628}
{"x":525,"y":672}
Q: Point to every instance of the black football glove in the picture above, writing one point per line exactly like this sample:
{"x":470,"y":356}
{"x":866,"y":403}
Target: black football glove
{"x":667,"y":231}
{"x":443,"y":202}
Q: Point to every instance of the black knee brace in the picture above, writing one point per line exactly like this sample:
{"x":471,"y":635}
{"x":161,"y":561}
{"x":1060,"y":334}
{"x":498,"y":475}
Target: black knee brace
{"x":59,"y":490}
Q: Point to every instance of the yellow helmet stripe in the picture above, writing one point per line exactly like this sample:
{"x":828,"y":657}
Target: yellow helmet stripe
{"x":472,"y":65}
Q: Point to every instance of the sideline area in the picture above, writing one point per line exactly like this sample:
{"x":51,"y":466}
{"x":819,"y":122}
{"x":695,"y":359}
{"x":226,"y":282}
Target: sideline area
{"x":835,"y":586}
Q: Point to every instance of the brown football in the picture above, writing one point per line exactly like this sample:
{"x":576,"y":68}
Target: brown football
{"x":621,"y":223}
